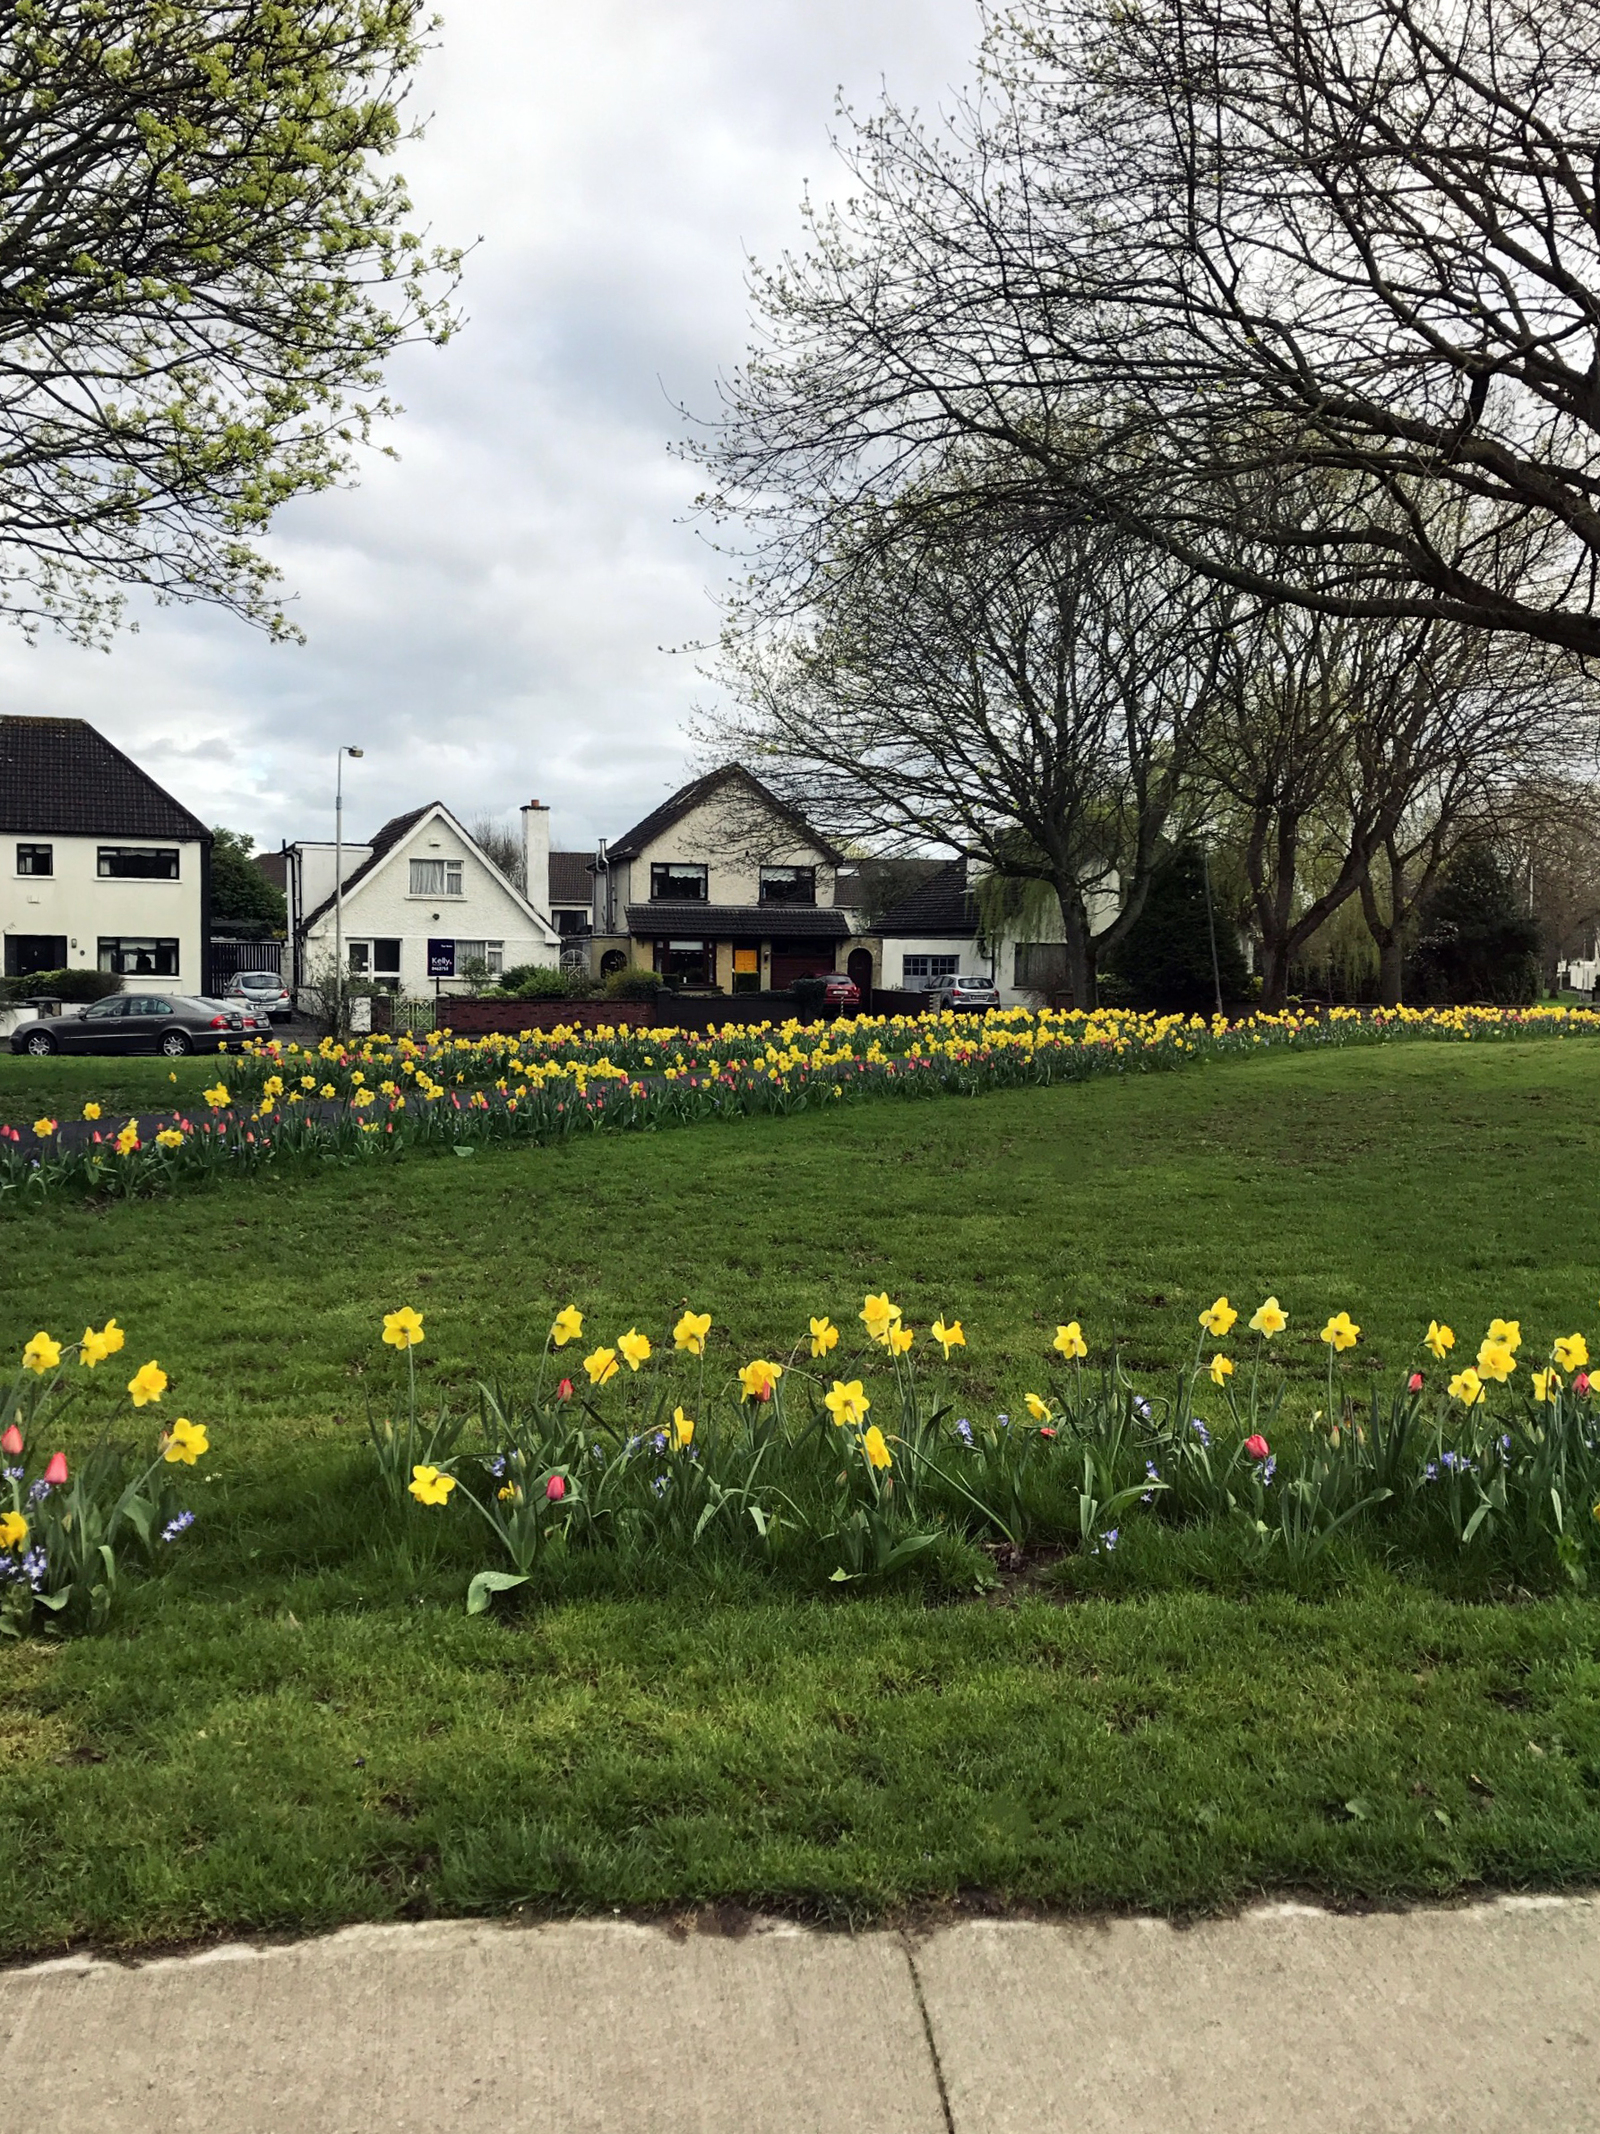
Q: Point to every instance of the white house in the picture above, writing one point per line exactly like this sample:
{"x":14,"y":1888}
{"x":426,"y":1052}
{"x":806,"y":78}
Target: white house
{"x":100,"y":868}
{"x":424,"y":906}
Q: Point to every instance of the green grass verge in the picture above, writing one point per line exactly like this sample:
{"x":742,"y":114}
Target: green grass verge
{"x":289,"y":1732}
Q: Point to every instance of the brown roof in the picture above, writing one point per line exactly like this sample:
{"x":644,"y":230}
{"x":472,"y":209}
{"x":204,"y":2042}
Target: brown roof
{"x":943,"y":905}
{"x":274,"y":865}
{"x":736,"y":922}
{"x":570,"y":879}
{"x":688,"y":797}
{"x":388,"y":837}
{"x":63,"y":778}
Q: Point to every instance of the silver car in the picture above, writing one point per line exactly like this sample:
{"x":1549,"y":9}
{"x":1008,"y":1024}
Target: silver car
{"x":261,"y":989}
{"x":963,"y":993}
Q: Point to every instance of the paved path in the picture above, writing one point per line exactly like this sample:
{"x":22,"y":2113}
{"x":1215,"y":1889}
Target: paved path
{"x":1287,"y":2021}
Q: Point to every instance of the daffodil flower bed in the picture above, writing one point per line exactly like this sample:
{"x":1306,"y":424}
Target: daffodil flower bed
{"x":349,"y":1102}
{"x":845,"y":1461}
{"x":64,"y":1541}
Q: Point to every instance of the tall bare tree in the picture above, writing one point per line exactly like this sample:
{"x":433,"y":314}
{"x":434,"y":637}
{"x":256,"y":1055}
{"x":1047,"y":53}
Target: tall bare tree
{"x":1028,"y":696}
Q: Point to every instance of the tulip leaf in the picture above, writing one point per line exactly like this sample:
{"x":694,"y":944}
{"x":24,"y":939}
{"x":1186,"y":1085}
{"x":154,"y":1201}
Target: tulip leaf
{"x":487,"y":1584}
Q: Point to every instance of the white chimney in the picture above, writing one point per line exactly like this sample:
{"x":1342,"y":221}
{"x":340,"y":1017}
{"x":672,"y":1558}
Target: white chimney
{"x":536,"y":850}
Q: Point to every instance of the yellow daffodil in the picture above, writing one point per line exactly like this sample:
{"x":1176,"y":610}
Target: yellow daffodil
{"x":1495,"y":1361}
{"x":217,"y":1095}
{"x":128,"y":1138}
{"x":96,"y":1347}
{"x":948,"y":1337}
{"x":148,"y":1383}
{"x":1467,"y":1387}
{"x":758,"y":1378}
{"x":1218,"y":1320}
{"x":1069,"y":1341}
{"x":185,"y":1442}
{"x":1341,"y":1332}
{"x":1439,"y":1339}
{"x":634,"y":1348}
{"x":1037,"y":1408}
{"x":568,"y":1325}
{"x":402,"y":1329}
{"x":1572,"y":1352}
{"x":429,"y":1486}
{"x":602,"y":1366}
{"x":682,"y":1429}
{"x":44,"y":1128}
{"x":13,"y":1530}
{"x":876,"y":1447}
{"x":847,"y":1403}
{"x":900,"y":1339}
{"x":691,"y":1331}
{"x":169,"y":1138}
{"x":41,"y":1354}
{"x":824,"y":1336}
{"x":91,"y":1111}
{"x":1270,"y":1319}
{"x":1508,"y":1332}
{"x":1221,"y":1369}
{"x":1546,"y":1385}
{"x":878,"y":1315}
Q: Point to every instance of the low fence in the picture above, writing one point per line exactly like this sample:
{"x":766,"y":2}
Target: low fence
{"x":470,"y":1016}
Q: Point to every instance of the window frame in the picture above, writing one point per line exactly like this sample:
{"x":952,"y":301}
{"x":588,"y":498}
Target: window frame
{"x":659,"y":869}
{"x":104,"y":854}
{"x":110,"y":947}
{"x":769,"y":877}
{"x":948,"y":967}
{"x":492,"y":954}
{"x":46,"y":873}
{"x":450,"y":871}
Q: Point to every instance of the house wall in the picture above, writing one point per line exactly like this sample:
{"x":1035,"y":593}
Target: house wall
{"x":723,"y":836}
{"x":381,"y":906}
{"x":75,"y":903}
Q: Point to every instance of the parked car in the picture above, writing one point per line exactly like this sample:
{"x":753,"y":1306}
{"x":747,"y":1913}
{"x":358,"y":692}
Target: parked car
{"x":255,"y":1022}
{"x":960,"y":993}
{"x":173,"y":1023}
{"x":840,"y":991}
{"x":260,"y":989}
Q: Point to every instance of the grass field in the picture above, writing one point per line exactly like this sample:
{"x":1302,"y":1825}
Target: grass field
{"x":287,"y":1731}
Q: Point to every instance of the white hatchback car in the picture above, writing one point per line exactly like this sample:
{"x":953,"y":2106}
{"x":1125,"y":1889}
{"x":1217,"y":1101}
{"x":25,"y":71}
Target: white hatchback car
{"x":954,"y":992}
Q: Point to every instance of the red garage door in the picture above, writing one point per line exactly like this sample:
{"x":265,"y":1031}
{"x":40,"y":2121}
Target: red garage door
{"x":799,"y":959}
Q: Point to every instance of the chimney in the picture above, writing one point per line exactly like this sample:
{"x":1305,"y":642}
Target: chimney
{"x":536,"y":850}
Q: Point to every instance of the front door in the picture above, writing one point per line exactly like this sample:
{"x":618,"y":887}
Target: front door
{"x":27,"y":953}
{"x":859,"y":969}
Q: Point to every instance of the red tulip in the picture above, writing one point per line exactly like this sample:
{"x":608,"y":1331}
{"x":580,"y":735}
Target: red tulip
{"x":1046,"y":1431}
{"x":556,"y":1488}
{"x":1257,"y":1447}
{"x":1414,"y":1382}
{"x":56,"y":1472}
{"x":12,"y":1441}
{"x":1581,"y":1383}
{"x":564,"y":1390}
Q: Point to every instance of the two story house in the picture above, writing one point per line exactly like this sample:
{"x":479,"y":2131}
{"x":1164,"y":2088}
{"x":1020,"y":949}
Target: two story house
{"x":722,"y":885}
{"x":100,"y":868}
{"x":425,"y":909}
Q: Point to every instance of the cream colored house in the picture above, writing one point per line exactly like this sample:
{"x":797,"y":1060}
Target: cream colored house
{"x":722,"y":886}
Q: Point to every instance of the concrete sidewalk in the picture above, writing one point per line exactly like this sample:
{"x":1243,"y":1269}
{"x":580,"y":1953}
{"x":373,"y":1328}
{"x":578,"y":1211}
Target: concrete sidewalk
{"x":1289,"y":2019}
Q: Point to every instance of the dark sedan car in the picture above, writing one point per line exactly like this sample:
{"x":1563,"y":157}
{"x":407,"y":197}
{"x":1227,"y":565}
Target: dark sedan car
{"x":172,"y":1023}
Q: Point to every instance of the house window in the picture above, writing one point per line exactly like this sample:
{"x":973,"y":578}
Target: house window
{"x":138,"y":958}
{"x":671,"y":882}
{"x":490,"y":954}
{"x":36,"y":859}
{"x":386,"y":958}
{"x":360,"y":957}
{"x":572,"y":922}
{"x":27,"y":953}
{"x":138,"y":863}
{"x":927,"y":970}
{"x":436,"y":878}
{"x":683,"y":963}
{"x":788,"y":885}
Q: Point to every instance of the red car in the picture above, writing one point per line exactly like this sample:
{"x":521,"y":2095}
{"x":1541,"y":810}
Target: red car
{"x":840,"y":992}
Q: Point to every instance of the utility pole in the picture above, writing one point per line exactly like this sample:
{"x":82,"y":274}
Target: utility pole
{"x":1211,"y":924}
{"x":338,"y":886}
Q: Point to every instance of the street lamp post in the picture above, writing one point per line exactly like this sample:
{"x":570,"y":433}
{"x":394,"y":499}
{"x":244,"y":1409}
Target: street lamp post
{"x":338,"y":887}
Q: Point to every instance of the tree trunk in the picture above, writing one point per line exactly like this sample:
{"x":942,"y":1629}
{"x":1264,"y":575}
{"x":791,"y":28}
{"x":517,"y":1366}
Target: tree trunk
{"x":1389,"y":935}
{"x":1080,"y":956}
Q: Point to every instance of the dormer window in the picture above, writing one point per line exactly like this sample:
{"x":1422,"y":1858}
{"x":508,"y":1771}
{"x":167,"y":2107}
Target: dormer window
{"x":436,"y":878}
{"x":788,"y":885}
{"x":673,"y":882}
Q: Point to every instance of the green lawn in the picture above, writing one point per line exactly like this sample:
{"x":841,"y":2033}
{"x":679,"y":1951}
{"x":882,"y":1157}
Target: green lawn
{"x":294,"y":1729}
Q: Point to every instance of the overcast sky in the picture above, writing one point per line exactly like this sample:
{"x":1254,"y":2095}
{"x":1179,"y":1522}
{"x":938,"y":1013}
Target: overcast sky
{"x":490,"y":617}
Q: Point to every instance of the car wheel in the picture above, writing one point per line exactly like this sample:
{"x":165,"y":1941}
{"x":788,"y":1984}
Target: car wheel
{"x":39,"y":1042}
{"x":174,"y":1045}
